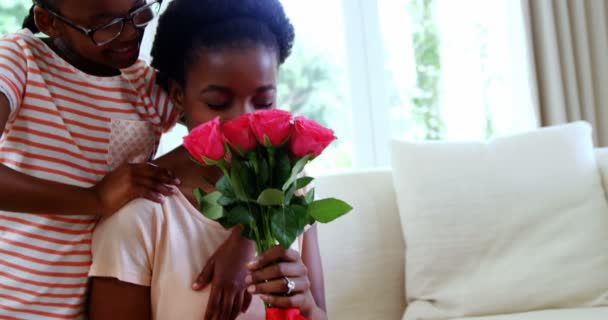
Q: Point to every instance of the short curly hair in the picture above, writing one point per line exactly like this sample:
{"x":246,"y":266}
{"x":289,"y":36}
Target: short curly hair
{"x":187,"y":26}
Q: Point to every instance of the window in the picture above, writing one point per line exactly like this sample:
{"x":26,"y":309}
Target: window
{"x":12,"y":13}
{"x":377,"y":69}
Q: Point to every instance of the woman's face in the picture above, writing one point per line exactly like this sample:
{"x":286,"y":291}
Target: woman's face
{"x":227,"y":83}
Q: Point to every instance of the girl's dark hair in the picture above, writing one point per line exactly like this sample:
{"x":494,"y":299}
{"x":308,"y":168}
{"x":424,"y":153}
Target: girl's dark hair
{"x":29,"y":21}
{"x":189,"y":25}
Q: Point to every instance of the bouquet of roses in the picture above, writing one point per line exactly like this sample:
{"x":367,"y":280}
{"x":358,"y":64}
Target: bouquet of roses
{"x":262,"y":156}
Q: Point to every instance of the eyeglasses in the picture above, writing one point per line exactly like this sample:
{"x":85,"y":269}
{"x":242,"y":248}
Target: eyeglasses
{"x":105,"y":34}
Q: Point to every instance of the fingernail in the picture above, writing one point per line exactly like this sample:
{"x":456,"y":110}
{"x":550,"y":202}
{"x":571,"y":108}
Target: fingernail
{"x":196,"y":286}
{"x":248,"y":280}
{"x":178,"y":181}
{"x":251,"y":289}
{"x":264,"y":297}
{"x":253,"y":264}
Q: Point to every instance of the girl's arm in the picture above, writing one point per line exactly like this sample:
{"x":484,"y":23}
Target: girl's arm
{"x":112,"y":299}
{"x":23,"y":193}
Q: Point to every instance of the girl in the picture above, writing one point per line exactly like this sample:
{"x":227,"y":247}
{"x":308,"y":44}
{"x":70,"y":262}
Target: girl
{"x":224,"y":63}
{"x":73,"y":108}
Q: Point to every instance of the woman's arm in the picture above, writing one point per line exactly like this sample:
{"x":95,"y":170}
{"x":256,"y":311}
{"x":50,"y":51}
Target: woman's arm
{"x":123,"y":247}
{"x":311,"y":256}
{"x":112,"y":299}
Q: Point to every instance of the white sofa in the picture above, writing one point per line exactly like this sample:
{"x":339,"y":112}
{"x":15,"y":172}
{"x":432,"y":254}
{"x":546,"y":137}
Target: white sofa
{"x":363,"y":252}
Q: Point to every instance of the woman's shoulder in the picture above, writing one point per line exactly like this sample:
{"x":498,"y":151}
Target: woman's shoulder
{"x":137,"y":216}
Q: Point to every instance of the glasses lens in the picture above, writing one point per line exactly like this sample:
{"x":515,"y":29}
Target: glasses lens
{"x":108,"y":33}
{"x":142,"y":17}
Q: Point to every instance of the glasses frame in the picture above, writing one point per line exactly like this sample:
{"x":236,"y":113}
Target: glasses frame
{"x":123,"y":20}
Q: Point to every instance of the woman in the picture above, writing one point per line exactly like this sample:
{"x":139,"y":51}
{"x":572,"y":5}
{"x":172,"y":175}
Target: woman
{"x":216,"y":58}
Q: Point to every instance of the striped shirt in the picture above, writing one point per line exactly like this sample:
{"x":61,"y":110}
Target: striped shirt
{"x":73,"y":128}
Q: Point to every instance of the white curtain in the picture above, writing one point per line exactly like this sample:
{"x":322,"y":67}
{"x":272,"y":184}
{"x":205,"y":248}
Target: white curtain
{"x":486,"y":74}
{"x":569,"y":39}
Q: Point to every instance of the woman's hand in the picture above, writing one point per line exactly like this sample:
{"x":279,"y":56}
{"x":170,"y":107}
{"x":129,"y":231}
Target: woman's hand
{"x":226,"y":273}
{"x":270,"y":275}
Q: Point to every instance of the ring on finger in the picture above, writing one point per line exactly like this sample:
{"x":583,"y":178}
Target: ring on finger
{"x":291,"y":285}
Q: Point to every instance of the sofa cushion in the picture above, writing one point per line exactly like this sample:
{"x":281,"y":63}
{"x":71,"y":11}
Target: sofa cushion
{"x":514,"y":225}
{"x":362,"y":252}
{"x":600,"y":313}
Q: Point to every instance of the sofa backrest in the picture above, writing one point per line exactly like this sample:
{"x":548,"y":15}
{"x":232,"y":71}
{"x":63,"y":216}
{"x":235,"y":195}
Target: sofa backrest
{"x":363,"y":252}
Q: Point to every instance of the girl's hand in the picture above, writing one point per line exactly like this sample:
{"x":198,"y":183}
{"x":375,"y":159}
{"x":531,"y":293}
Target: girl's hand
{"x":270,"y":275}
{"x":131,"y":181}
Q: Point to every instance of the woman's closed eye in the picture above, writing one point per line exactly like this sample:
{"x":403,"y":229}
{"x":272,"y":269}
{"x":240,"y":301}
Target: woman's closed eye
{"x":263,"y":105}
{"x":264,"y":100}
{"x":218,"y":106}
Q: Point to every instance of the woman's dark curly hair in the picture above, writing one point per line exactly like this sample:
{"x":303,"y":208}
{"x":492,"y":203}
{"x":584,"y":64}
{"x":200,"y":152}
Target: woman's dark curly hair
{"x":190,"y":25}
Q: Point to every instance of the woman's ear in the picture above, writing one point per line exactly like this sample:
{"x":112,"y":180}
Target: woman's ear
{"x":176,"y":94}
{"x":46,"y":22}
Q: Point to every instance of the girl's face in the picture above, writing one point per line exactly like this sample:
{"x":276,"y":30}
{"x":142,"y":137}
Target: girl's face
{"x":120,"y":53}
{"x":227,"y":83}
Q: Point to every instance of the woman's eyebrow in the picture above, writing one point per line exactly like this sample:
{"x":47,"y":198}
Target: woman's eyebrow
{"x":266,"y":88}
{"x":213,"y":87}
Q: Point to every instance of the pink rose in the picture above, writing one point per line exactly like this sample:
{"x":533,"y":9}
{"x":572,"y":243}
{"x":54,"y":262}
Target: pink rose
{"x":206,"y":142}
{"x":238,"y":134}
{"x":309,"y":137}
{"x":273,"y":123}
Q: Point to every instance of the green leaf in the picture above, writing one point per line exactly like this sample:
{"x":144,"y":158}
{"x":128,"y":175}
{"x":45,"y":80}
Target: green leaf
{"x":211,"y":198}
{"x":327,"y":210}
{"x":209,"y":207}
{"x":239,"y":215}
{"x":267,"y":142}
{"x":282,"y":170}
{"x":290,"y":192}
{"x":223,"y":186}
{"x":198,"y":195}
{"x":299,"y":200}
{"x":212,"y":212}
{"x":209,"y":162}
{"x":310,"y":196}
{"x":225,"y":201}
{"x":264,"y":175}
{"x":235,"y":180}
{"x":303,"y":182}
{"x":297,"y":168}
{"x":271,"y":197}
{"x":301,"y":216}
{"x":283,"y":226}
{"x":248,"y":181}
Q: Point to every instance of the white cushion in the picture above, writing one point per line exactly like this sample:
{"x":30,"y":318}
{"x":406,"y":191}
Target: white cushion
{"x":561,"y":314}
{"x":362,"y":252}
{"x":514,"y":225}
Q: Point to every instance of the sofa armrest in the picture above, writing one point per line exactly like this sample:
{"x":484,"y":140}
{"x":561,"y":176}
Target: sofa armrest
{"x":363,"y":252}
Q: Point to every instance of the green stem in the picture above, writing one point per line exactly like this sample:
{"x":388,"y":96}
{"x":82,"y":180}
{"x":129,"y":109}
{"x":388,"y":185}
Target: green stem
{"x":253,"y":225}
{"x":271,"y":164}
{"x":268,"y":239}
